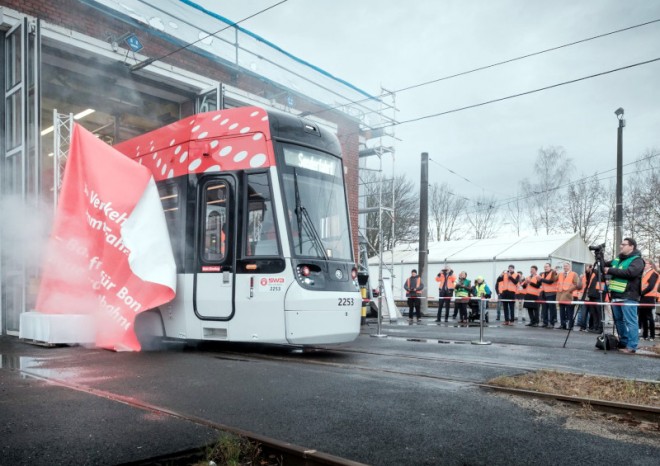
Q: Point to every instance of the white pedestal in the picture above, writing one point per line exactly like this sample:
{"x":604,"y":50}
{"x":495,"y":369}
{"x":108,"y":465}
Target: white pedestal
{"x":57,"y":329}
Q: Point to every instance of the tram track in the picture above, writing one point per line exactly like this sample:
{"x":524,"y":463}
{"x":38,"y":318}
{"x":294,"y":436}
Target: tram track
{"x":288,"y":453}
{"x":643,"y":412}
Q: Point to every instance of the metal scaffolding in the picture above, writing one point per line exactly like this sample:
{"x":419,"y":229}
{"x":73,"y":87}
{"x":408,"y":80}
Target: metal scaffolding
{"x":62,"y":131}
{"x":378,"y":142}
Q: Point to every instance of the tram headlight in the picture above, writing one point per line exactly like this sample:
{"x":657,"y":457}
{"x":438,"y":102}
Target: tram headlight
{"x":304,"y":272}
{"x":354,"y":273}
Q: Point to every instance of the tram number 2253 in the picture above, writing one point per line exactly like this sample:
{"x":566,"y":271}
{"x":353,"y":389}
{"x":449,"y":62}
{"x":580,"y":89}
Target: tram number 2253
{"x":346,"y":301}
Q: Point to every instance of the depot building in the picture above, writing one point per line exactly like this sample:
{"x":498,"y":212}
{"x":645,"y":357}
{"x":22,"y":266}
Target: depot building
{"x":121,"y":69}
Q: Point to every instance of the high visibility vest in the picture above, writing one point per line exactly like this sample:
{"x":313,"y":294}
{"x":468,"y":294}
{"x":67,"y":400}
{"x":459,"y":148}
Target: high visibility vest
{"x":549,"y":287}
{"x":580,"y":286}
{"x":646,"y":278}
{"x":507,"y":284}
{"x":413,"y":283}
{"x":463,"y":290}
{"x":529,"y":289}
{"x":480,"y":289}
{"x":566,"y":280}
{"x":618,"y":285}
{"x":451,"y":281}
{"x":592,"y":277}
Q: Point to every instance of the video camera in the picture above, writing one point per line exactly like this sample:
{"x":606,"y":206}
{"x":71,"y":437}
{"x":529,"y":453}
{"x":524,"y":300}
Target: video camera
{"x":599,"y":252}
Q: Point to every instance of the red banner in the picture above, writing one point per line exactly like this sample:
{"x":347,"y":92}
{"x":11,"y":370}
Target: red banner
{"x":109,"y":254}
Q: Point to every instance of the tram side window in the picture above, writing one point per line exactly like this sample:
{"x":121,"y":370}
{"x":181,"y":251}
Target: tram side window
{"x":215,"y":228}
{"x":261,"y":231}
{"x":170,"y":199}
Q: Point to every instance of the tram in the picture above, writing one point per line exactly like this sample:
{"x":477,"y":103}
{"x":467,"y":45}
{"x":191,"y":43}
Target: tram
{"x":256,"y":209}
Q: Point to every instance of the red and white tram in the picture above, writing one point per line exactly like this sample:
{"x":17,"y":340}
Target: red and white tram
{"x":257,"y":214}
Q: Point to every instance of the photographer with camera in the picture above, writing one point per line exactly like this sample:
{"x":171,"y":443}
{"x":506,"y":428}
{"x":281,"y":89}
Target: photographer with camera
{"x":625,"y":286}
{"x":549,"y":285}
{"x":446,"y":283}
{"x":566,"y":285}
{"x":507,"y":286}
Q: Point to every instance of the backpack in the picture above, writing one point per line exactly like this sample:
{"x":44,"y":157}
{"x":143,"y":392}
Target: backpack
{"x":607,"y":342}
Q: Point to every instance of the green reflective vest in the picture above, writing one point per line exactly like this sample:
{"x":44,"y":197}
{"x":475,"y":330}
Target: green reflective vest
{"x":618,"y":285}
{"x":462,"y":289}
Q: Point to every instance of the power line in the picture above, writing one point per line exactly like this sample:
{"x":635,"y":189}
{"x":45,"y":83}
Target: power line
{"x":149,"y":61}
{"x":513,"y":96}
{"x":596,"y":177}
{"x":504,"y":62}
{"x":493,"y":65}
{"x":461,"y":176}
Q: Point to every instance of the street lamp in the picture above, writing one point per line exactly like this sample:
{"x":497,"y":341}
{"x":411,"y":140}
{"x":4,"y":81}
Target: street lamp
{"x":618,"y":223}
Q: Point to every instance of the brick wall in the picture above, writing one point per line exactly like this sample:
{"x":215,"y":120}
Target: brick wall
{"x":72,"y":14}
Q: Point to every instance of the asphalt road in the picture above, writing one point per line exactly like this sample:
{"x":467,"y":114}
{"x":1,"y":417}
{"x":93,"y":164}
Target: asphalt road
{"x":402,"y":399}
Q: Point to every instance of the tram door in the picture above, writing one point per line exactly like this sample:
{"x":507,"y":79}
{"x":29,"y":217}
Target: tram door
{"x":214,"y":275}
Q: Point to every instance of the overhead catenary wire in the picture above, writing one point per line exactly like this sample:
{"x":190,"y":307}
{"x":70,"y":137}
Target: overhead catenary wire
{"x":594,"y":177}
{"x":507,"y":201}
{"x":500,"y":63}
{"x":501,"y":203}
{"x":520,"y":94}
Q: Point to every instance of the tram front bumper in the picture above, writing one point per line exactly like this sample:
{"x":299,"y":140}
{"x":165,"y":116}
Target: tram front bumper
{"x":322,"y":326}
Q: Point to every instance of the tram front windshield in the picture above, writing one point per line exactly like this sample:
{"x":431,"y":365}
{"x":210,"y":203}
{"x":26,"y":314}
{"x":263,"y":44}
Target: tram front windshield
{"x":313,"y":185}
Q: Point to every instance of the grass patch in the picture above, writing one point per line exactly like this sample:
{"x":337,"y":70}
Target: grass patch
{"x":585,"y":386}
{"x":234,"y":450}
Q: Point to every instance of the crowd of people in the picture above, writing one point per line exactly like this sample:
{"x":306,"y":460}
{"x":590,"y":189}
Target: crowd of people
{"x":628,"y":284}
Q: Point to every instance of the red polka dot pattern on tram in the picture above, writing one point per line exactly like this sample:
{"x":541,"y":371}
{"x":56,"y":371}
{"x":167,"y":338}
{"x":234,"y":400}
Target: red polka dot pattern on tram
{"x":223,"y":140}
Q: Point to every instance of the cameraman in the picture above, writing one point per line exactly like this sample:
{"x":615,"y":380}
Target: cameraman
{"x":625,"y":288}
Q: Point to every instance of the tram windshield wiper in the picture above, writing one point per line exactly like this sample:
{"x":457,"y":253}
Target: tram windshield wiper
{"x":305,"y":222}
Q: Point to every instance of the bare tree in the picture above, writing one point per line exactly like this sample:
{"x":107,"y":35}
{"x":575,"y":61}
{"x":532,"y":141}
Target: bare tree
{"x":641,"y":207}
{"x":551,"y":169}
{"x":405,"y":212}
{"x":445,"y":209}
{"x":586,"y":210}
{"x":483,"y":217}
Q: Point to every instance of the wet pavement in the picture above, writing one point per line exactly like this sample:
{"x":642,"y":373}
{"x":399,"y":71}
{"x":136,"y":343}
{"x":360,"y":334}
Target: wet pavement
{"x":403,"y":396}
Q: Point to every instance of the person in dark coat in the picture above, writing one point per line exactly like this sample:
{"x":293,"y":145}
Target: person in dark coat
{"x":414,"y":287}
{"x":625,"y":286}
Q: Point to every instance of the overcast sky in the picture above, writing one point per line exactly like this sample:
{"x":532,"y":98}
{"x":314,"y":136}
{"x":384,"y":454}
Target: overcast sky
{"x":395,"y":44}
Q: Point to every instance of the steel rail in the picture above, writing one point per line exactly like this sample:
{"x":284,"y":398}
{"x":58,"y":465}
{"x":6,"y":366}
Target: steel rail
{"x":652,"y":411}
{"x":295,"y":453}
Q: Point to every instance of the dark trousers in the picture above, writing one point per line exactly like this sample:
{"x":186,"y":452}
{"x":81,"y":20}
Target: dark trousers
{"x":566,"y":315}
{"x":646,"y":318}
{"x":549,"y":310}
{"x":461,"y":307}
{"x":593,"y":317}
{"x":533,"y":315}
{"x":416,"y":304}
{"x":444,"y":302}
{"x":509,"y":306}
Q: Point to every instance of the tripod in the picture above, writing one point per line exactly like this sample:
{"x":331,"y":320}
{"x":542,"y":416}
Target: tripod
{"x":596,"y":271}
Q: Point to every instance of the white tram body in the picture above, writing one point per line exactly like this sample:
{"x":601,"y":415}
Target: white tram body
{"x":256,"y":208}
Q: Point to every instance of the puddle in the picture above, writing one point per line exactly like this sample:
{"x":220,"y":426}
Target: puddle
{"x":27,"y":366}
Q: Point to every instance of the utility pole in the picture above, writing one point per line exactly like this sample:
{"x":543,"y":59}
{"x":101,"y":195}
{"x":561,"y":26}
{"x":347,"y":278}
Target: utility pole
{"x":423,"y":229}
{"x":618,"y":222}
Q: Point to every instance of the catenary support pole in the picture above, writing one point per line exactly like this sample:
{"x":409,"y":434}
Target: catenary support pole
{"x":423,"y":229}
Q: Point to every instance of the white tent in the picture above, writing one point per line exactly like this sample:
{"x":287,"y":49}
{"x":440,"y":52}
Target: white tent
{"x":485,"y":257}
